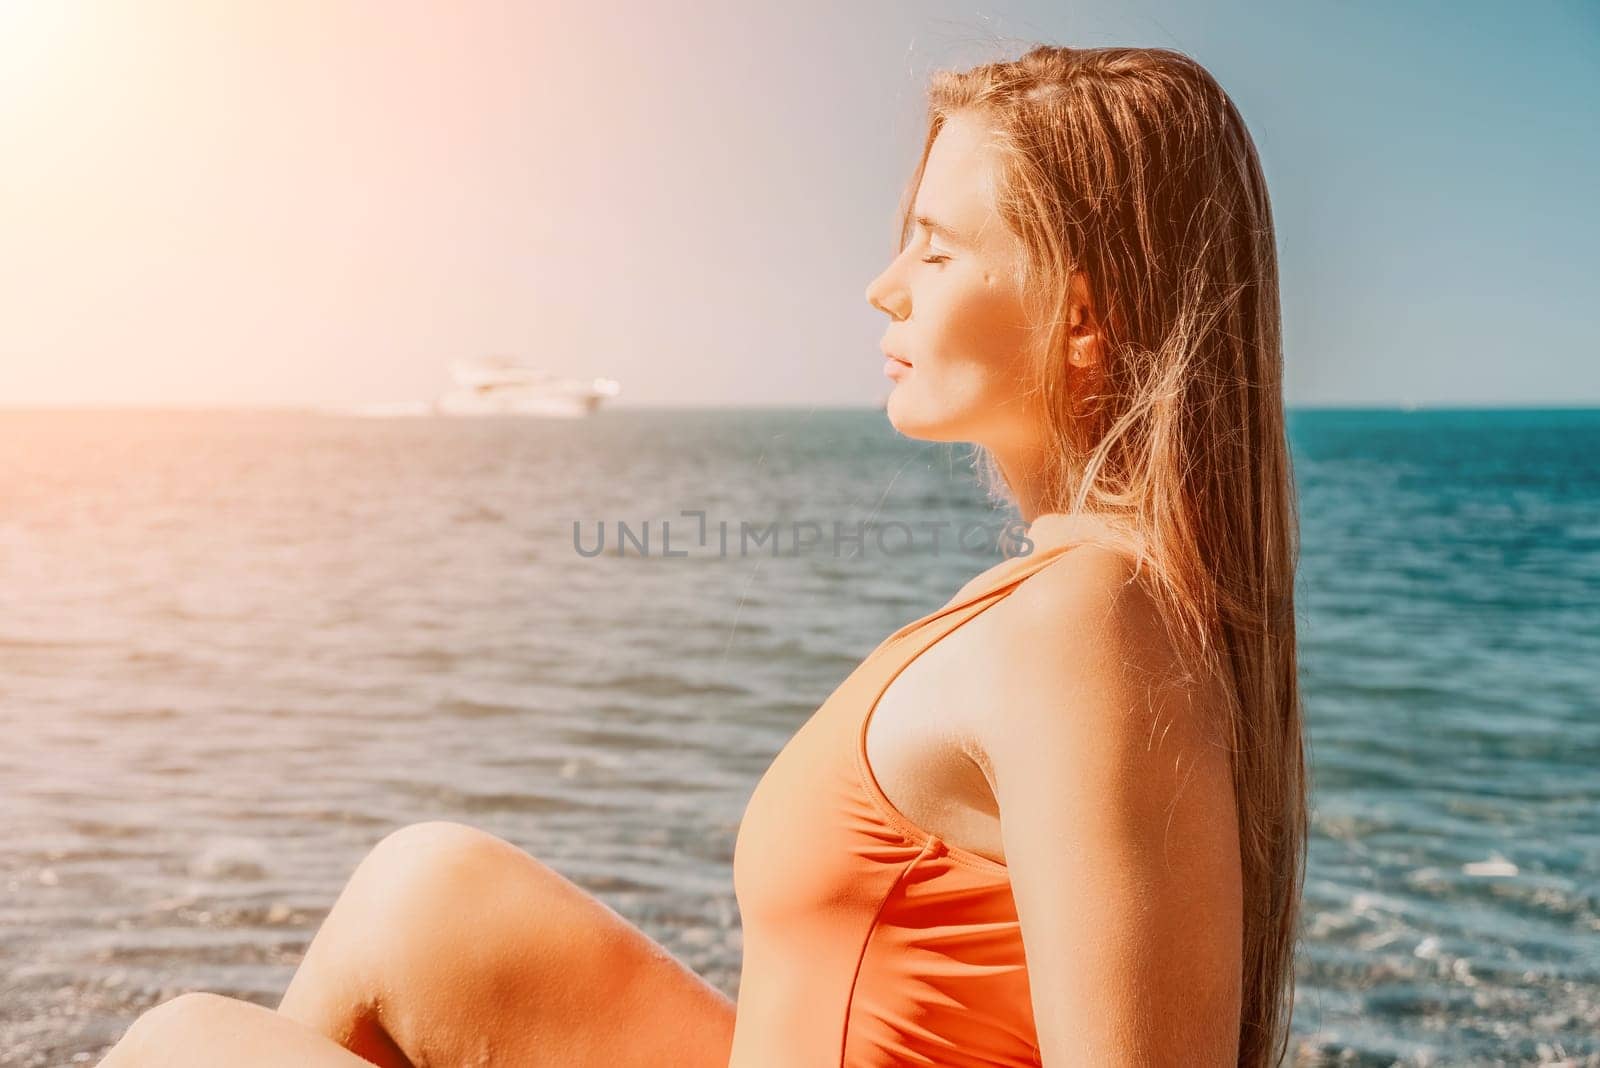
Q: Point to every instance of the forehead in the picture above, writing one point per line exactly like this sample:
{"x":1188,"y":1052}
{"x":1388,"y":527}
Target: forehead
{"x":957,"y":183}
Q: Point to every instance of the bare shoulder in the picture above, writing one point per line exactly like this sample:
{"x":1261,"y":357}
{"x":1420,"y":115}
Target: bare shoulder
{"x":1094,"y":598}
{"x":1084,"y":579}
{"x":1080,"y":653}
{"x":1117,"y":816}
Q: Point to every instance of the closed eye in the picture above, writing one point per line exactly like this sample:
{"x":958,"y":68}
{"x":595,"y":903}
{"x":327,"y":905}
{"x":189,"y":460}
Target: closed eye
{"x":934,"y":259}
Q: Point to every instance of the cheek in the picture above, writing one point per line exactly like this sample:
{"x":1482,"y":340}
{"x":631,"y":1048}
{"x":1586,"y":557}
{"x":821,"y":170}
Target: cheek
{"x":983,"y":323}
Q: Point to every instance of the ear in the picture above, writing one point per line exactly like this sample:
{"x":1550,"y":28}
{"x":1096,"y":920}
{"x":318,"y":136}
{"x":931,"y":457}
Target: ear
{"x":1082,"y":351}
{"x":1084,"y":346}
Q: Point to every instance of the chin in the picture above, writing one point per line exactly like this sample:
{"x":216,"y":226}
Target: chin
{"x":921,"y":425}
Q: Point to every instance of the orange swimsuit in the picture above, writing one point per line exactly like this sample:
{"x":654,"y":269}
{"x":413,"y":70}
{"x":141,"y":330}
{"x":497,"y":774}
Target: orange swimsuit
{"x":869,"y":941}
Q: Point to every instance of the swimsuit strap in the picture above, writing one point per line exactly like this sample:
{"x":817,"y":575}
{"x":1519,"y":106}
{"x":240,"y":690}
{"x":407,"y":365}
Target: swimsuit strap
{"x":1000,"y":578}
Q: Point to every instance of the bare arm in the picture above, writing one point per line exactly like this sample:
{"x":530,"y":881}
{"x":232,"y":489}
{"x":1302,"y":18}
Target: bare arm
{"x":1118,"y":822}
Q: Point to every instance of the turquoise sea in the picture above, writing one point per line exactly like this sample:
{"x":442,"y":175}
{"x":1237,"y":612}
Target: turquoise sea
{"x":237,"y":648}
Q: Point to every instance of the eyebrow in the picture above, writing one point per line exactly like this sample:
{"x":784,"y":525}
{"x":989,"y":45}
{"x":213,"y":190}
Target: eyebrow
{"x":948,"y":232}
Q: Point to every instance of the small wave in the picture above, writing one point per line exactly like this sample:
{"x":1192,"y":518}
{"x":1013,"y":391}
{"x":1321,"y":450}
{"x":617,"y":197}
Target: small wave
{"x":657,"y":685}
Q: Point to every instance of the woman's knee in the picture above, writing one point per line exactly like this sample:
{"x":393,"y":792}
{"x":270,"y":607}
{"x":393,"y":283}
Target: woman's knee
{"x":419,"y":850}
{"x":174,"y":1024}
{"x":424,"y":869}
{"x":183,"y":1014}
{"x":392,"y":901}
{"x":444,"y":921}
{"x":438,"y":895}
{"x":409,"y":914}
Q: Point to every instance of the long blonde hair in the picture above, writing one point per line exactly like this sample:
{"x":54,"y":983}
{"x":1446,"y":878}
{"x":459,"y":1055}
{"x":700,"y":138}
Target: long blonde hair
{"x":1133,"y":166}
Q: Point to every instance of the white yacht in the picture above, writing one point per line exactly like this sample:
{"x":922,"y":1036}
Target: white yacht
{"x":496,"y":385}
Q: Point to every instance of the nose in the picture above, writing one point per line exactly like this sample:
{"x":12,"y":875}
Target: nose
{"x":888,"y":297}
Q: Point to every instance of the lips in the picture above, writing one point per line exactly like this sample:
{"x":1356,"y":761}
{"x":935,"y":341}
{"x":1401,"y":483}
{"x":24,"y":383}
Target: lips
{"x":896,"y":357}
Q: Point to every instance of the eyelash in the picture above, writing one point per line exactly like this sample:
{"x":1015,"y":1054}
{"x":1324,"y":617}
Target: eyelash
{"x":934,"y":259}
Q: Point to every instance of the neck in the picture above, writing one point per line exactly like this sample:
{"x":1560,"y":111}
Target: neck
{"x":1047,"y":523}
{"x":1024,"y":470}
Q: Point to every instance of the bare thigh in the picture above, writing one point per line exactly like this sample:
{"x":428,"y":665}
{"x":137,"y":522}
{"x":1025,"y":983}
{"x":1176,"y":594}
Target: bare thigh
{"x":452,"y":946}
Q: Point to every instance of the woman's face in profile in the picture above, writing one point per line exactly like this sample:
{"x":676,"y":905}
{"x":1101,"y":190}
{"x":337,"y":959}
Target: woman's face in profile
{"x":955,"y":306}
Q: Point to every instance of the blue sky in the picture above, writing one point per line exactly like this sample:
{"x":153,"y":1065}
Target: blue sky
{"x":308,"y":203}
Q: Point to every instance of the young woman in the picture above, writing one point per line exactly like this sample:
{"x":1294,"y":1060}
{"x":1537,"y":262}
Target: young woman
{"x":1059,"y":821}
